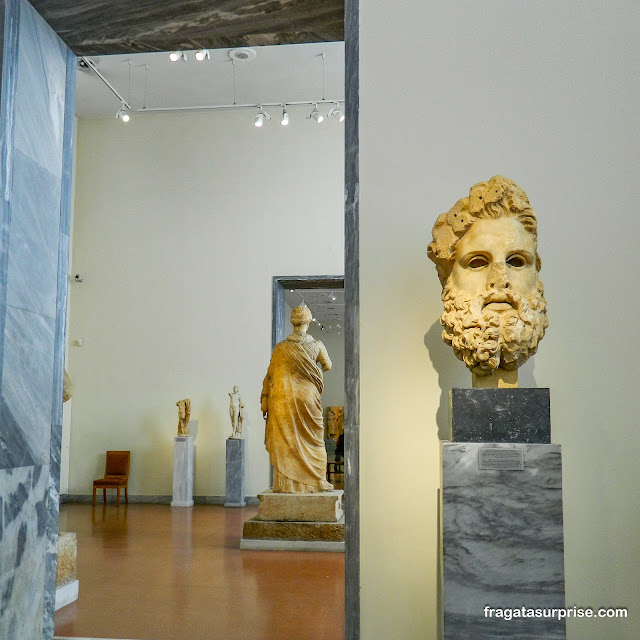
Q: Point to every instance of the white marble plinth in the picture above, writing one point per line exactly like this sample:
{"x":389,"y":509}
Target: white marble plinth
{"x":502,"y":541}
{"x":182,"y":471}
{"x":66,"y":594}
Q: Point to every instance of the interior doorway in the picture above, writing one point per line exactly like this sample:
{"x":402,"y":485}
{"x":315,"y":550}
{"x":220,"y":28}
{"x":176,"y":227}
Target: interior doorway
{"x":324,"y":295}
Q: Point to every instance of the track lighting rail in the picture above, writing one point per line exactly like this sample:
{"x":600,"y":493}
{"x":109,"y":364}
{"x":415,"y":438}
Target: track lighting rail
{"x":258,"y":105}
{"x":90,"y":65}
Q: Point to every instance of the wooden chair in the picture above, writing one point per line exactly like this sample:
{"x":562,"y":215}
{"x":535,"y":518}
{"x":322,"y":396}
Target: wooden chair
{"x":116,"y":475}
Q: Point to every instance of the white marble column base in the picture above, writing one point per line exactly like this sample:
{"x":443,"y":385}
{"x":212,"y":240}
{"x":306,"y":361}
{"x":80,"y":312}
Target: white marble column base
{"x":66,"y":594}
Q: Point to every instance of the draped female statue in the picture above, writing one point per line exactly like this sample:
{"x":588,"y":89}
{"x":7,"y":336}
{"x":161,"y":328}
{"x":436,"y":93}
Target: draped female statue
{"x":291,"y":405}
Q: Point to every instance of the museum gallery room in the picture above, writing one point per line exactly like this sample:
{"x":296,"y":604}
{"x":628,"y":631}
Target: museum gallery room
{"x":316,"y":320}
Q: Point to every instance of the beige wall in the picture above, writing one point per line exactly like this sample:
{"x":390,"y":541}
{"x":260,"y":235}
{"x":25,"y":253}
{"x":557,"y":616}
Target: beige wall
{"x":181,"y":221}
{"x":548,"y":94}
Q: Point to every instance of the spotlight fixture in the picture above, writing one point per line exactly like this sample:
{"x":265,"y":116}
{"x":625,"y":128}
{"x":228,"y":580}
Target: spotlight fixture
{"x":261,"y":117}
{"x":336,"y":113}
{"x":316,"y":115}
{"x":285,"y":117}
{"x":202,"y":54}
{"x":332,"y":297}
{"x":176,"y":56}
{"x":123,"y":115}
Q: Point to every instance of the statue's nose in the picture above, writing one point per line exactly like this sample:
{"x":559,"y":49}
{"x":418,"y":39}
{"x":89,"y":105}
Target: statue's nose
{"x":498,"y":278}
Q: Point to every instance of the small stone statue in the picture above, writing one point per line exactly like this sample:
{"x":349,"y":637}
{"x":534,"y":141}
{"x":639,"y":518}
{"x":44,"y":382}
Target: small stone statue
{"x":335,"y":422}
{"x":486,"y":254}
{"x":184,"y":415}
{"x":67,"y":391}
{"x":235,"y":413}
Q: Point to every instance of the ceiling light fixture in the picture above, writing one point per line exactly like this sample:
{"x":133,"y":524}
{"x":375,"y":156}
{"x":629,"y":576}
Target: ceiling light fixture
{"x":316,"y":115}
{"x":202,"y":54}
{"x":261,"y":117}
{"x":243,"y":54}
{"x":336,"y":113}
{"x":285,"y":117}
{"x":176,"y":56}
{"x":123,"y":115}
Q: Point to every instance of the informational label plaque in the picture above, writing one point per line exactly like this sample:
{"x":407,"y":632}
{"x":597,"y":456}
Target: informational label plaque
{"x":495,"y":459}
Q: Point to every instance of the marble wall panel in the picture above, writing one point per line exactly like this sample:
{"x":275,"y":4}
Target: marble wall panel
{"x":23,"y":495}
{"x":2,"y":8}
{"x":27,"y":378}
{"x":38,"y":87}
{"x":40,"y":92}
{"x":33,"y":237}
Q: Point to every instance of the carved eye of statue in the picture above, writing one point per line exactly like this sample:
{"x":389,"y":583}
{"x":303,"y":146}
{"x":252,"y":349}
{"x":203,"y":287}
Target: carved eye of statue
{"x":516,"y":261}
{"x":477,"y":262}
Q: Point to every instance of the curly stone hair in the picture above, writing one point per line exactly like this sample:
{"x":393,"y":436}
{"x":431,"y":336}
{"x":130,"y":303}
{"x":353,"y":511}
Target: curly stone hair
{"x":498,"y":198}
{"x":301,"y":315}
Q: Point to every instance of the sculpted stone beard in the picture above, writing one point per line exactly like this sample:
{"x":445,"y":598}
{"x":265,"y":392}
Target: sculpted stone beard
{"x":486,"y":338}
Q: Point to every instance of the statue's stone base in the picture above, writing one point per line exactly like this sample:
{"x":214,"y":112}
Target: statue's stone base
{"x":66,"y":582}
{"x":502,"y":540}
{"x":325,"y":506}
{"x":296,"y":521}
{"x":182,"y":471}
{"x":234,"y":496}
{"x":292,"y":536}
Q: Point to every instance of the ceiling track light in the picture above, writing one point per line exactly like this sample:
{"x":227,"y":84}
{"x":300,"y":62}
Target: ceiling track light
{"x":261,"y":117}
{"x":316,"y":115}
{"x":336,"y":113}
{"x":176,"y":56}
{"x":202,"y":54}
{"x":284,"y":121}
{"x":123,"y":115}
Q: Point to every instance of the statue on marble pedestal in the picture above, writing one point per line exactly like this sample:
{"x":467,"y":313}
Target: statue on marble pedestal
{"x":485,"y":251}
{"x":291,"y":405}
{"x":184,"y":415}
{"x":235,"y":406}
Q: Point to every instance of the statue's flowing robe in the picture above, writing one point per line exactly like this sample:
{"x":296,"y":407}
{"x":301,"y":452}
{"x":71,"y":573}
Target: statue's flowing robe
{"x":294,"y":435}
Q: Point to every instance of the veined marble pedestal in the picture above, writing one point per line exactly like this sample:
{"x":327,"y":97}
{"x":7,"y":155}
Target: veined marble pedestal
{"x":182,"y":471}
{"x":234,"y":492}
{"x":296,"y":522}
{"x":502,"y":540}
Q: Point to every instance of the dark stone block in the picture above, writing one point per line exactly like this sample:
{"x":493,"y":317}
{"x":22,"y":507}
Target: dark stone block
{"x":500,"y":415}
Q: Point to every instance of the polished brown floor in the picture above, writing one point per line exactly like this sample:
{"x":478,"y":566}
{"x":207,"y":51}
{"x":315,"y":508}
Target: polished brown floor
{"x":159,"y":573}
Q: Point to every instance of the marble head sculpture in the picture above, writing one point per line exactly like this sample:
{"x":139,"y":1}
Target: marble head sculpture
{"x":291,"y":405}
{"x":486,"y":255}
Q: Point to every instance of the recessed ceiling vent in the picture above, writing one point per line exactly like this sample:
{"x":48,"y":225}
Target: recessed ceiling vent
{"x":242,"y":55}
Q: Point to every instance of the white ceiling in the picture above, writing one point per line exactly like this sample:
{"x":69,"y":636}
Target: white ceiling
{"x":278,"y":74}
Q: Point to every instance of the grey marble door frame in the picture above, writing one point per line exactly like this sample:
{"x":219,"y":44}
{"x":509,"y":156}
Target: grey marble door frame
{"x":280,"y":322}
{"x":352,"y":320}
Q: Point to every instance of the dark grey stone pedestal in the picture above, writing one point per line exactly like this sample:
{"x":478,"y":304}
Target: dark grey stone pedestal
{"x":235,"y":473}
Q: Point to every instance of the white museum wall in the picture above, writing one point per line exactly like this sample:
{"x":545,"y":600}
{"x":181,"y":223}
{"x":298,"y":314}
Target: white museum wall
{"x":333,"y":394}
{"x":181,"y":221}
{"x":549,"y":95}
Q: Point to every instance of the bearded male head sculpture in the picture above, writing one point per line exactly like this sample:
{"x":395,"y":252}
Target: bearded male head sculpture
{"x":485,"y":251}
